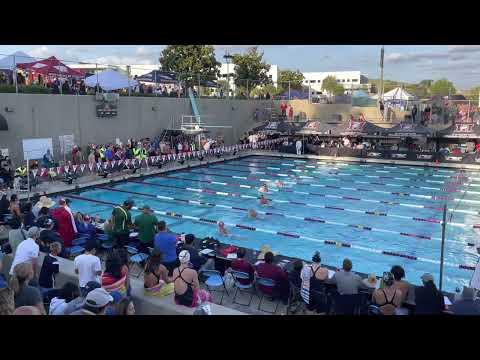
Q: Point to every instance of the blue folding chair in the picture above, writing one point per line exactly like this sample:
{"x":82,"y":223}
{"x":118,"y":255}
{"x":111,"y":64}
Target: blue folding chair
{"x":214,"y":281}
{"x":80,"y":241}
{"x":242,"y":288}
{"x":136,"y":258}
{"x":374,"y":310}
{"x":268,"y":283}
{"x":75,"y":250}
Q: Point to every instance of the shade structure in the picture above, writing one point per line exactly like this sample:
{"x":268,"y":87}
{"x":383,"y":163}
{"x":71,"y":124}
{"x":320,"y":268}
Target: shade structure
{"x":110,"y":80}
{"x":398,"y":94}
{"x":280,"y":127}
{"x":360,"y":128}
{"x":405,"y":129}
{"x":9,"y":62}
{"x":50,"y":66}
{"x":158,"y":76}
{"x":319,"y":128}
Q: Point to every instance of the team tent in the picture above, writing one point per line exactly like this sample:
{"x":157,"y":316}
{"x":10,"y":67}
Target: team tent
{"x":408,"y":129}
{"x":399,"y":94}
{"x":279,"y":127}
{"x":9,"y":62}
{"x":50,"y":66}
{"x":110,"y":80}
{"x":319,"y":128}
{"x":158,"y":77}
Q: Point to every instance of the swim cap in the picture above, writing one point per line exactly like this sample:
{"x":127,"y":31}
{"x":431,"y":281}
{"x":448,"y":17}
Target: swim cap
{"x":184,"y":257}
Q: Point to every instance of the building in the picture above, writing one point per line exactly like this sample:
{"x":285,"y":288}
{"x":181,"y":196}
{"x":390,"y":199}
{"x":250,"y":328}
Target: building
{"x":350,"y":80}
{"x":230,"y":68}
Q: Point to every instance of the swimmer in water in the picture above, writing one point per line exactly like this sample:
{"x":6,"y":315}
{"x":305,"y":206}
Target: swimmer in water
{"x":252,"y":213}
{"x":221,"y":229}
{"x":263,"y":188}
{"x":263,"y":200}
{"x":279,"y":183}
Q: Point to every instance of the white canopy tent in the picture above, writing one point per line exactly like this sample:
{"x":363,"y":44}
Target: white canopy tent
{"x":9,"y":62}
{"x":398,"y":94}
{"x":110,"y":80}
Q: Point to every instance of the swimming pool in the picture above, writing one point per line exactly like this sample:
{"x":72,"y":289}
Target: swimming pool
{"x":377,"y":215}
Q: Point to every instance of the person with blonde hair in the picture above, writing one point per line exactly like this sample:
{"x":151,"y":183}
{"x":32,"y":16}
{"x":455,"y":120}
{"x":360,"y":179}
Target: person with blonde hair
{"x":50,"y":267}
{"x":26,"y":295}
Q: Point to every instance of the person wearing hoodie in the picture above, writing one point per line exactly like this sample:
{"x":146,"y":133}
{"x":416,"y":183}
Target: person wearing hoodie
{"x":67,"y":293}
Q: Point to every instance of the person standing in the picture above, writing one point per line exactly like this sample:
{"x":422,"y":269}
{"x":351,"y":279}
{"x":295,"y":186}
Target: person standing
{"x":166,"y":242}
{"x":414,"y":113}
{"x":122,"y":222}
{"x":290,"y":113}
{"x":298,"y":145}
{"x":382,"y":109}
{"x":27,"y":251}
{"x":146,"y":224}
{"x":283,"y":108}
{"x":65,"y":222}
{"x":87,"y":266}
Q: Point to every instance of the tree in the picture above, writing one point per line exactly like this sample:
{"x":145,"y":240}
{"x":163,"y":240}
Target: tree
{"x":250,"y":69}
{"x":442,"y":87}
{"x":294,"y":78}
{"x":189,"y":62}
{"x":473,"y":93}
{"x":330,"y":85}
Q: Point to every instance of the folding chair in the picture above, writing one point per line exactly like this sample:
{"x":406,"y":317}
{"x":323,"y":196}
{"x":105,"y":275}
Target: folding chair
{"x":242,"y":288}
{"x":75,"y":250}
{"x":214,"y":281}
{"x":295,"y":300}
{"x":268,"y":283}
{"x":136,"y":258}
{"x":80,"y":241}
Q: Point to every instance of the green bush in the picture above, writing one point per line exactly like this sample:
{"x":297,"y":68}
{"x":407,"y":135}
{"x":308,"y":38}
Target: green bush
{"x":34,"y":89}
{"x":25,"y":89}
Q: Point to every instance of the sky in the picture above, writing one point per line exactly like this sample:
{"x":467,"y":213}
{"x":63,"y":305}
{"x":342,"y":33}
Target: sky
{"x":458,"y":63}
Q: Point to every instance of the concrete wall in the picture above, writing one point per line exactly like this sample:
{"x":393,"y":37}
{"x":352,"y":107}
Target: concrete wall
{"x":38,"y":116}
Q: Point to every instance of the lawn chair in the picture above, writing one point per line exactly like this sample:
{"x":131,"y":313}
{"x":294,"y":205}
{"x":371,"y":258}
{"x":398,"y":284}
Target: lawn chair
{"x":239,"y":287}
{"x":268,"y":283}
{"x":214,"y":281}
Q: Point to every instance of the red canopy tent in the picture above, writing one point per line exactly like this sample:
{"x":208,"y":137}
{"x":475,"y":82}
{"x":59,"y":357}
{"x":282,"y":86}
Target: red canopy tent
{"x":50,"y":66}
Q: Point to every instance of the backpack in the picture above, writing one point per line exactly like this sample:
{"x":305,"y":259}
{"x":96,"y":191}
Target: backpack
{"x":209,"y":243}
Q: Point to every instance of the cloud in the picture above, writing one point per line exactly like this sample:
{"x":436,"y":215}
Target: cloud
{"x":463,"y":48}
{"x":415,"y":57}
{"x":40,"y":52}
{"x":124,"y":60}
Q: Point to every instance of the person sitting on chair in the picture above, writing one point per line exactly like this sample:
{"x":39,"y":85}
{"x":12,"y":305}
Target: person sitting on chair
{"x":313,"y":278}
{"x":274,"y":272}
{"x":389,"y":298}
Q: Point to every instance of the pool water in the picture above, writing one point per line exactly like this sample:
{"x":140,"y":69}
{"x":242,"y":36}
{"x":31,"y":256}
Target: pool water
{"x":369,"y":208}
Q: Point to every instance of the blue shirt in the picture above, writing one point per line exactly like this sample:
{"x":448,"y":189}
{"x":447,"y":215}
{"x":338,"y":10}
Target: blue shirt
{"x":109,"y":155}
{"x":167,"y":243}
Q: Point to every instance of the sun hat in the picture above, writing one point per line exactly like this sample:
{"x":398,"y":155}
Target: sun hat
{"x":371,"y":281}
{"x":98,"y":298}
{"x":44,"y":202}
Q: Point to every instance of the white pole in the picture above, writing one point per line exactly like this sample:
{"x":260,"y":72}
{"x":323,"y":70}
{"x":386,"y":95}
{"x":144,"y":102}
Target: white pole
{"x":28,"y":178}
{"x":15,"y":74}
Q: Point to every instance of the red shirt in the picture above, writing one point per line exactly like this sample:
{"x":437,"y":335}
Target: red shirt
{"x":243,"y":265}
{"x":65,"y":227}
{"x":271,"y":271}
{"x":283,"y":106}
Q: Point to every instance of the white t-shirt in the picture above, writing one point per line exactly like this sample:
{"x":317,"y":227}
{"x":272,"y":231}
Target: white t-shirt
{"x":298,"y":144}
{"x":26,"y":251}
{"x":87,"y":265}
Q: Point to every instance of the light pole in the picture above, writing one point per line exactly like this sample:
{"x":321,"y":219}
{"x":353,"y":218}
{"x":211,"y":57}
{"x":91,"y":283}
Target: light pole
{"x":228,"y":57}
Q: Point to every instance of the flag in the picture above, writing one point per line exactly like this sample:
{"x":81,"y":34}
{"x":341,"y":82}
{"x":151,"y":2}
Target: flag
{"x":34,"y":173}
{"x":43,"y":172}
{"x":82,"y":168}
{"x":75,"y":168}
{"x":66,"y":167}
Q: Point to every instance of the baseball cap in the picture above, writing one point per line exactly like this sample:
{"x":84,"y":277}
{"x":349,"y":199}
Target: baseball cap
{"x":92,"y":285}
{"x":98,"y":298}
{"x":427,"y":277}
{"x":33,"y":231}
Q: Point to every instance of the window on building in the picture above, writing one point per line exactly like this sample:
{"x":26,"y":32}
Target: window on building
{"x":338,"y":80}
{"x":348,"y":80}
{"x":313,"y":81}
{"x":343,"y":80}
{"x":354,"y":80}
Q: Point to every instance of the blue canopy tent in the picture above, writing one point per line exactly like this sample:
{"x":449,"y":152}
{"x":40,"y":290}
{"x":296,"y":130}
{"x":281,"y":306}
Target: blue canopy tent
{"x":361,"y":98}
{"x":294,"y":94}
